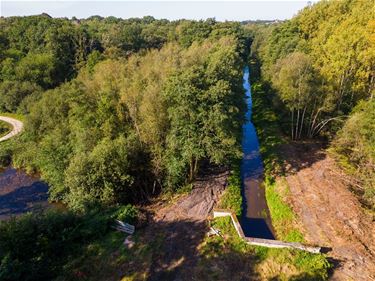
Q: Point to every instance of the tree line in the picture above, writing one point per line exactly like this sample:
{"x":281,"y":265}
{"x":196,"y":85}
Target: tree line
{"x":38,"y":53}
{"x":133,"y":113}
{"x":321,"y":65}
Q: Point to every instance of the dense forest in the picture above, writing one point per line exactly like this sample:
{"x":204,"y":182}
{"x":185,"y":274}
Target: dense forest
{"x":119,"y":111}
{"x":321,"y":66}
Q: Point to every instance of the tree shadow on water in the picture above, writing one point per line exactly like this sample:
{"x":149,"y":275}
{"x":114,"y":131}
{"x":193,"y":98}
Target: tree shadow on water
{"x":23,"y":199}
{"x":256,"y":227}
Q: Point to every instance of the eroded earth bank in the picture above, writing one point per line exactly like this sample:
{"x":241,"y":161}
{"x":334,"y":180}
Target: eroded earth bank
{"x":329,"y":213}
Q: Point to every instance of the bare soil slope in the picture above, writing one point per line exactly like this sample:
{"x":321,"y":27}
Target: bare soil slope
{"x":182,"y":225}
{"x":331,"y":215}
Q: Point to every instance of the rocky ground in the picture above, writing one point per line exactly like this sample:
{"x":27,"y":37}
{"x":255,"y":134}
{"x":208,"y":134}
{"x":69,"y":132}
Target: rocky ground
{"x":330,"y":213}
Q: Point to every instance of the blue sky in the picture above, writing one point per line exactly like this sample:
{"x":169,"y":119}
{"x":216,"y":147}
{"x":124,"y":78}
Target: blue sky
{"x":221,"y":10}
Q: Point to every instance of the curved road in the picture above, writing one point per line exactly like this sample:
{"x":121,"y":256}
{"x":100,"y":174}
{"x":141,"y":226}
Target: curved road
{"x":17,"y":127}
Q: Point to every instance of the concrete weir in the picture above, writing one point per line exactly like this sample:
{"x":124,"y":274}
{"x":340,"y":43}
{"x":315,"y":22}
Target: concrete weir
{"x":264,"y":242}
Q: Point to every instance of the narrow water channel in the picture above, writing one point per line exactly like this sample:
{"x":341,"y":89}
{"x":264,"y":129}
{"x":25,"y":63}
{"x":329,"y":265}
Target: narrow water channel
{"x":255,"y":219}
{"x":21,"y":193}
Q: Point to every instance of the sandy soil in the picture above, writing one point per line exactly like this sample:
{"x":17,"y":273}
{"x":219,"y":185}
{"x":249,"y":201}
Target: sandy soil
{"x":331,"y":215}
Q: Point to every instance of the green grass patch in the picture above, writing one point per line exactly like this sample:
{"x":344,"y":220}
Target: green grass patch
{"x":283,"y":217}
{"x":5,"y":128}
{"x":261,"y":262}
{"x":17,"y":116}
{"x":232,"y":197}
{"x":267,"y":126}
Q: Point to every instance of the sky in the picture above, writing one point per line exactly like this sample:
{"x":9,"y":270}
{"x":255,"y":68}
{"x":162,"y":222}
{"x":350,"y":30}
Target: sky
{"x":220,"y":10}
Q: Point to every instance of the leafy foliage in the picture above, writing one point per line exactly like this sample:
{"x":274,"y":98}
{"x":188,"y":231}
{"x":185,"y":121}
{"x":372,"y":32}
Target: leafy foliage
{"x":325,"y":55}
{"x":130,"y":124}
{"x":37,"y":246}
{"x":355,"y":144}
{"x":232,"y":197}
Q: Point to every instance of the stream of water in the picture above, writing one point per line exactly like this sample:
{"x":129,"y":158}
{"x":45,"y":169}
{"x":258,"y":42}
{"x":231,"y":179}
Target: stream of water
{"x":255,"y":219}
{"x":21,"y":193}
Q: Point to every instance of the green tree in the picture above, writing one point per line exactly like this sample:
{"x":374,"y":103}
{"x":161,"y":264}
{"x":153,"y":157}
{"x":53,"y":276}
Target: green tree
{"x":294,"y":78}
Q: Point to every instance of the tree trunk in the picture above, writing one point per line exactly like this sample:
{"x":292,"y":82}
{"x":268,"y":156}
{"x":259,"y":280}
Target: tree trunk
{"x":297,"y":125}
{"x":301,"y":126}
{"x":195,"y":167}
{"x":292,"y":124}
{"x":191,"y":169}
{"x":313,"y":123}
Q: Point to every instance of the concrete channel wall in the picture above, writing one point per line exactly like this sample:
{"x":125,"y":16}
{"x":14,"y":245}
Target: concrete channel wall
{"x":264,"y":242}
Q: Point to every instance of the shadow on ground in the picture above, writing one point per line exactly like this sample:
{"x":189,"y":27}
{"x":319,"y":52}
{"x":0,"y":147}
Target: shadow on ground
{"x":177,"y":253}
{"x":301,"y":155}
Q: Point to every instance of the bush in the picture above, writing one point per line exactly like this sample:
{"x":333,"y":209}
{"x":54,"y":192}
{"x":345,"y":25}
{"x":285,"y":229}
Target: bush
{"x":127,"y":213}
{"x":5,"y":153}
{"x":232,"y":197}
{"x":35,"y":246}
{"x":355,"y":148}
{"x":4,"y":128}
{"x":39,"y":246}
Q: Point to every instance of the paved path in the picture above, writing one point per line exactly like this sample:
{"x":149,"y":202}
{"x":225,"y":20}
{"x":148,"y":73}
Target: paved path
{"x":17,"y":127}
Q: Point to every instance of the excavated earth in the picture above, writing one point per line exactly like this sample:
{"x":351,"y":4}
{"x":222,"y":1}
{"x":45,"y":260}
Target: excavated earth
{"x":331,"y":214}
{"x":183,"y":227}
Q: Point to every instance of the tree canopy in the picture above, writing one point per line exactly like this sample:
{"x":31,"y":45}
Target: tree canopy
{"x":136,"y":112}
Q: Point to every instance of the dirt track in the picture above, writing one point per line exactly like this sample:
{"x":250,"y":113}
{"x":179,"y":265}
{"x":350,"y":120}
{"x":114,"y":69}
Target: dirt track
{"x":183,"y":226}
{"x":331,"y":215}
{"x":17,"y":127}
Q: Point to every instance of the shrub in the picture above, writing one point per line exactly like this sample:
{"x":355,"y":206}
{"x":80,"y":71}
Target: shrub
{"x":127,"y":213}
{"x":232,"y":198}
{"x":39,"y":246}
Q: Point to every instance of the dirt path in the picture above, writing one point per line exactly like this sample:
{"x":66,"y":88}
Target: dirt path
{"x":183,"y":225}
{"x":17,"y":127}
{"x":331,"y":215}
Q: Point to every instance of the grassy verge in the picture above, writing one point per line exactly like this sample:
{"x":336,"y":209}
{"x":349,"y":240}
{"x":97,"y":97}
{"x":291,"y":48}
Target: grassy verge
{"x":230,"y":258}
{"x":284,"y":220}
{"x":5,"y":128}
{"x":19,"y":117}
{"x":232,"y":197}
